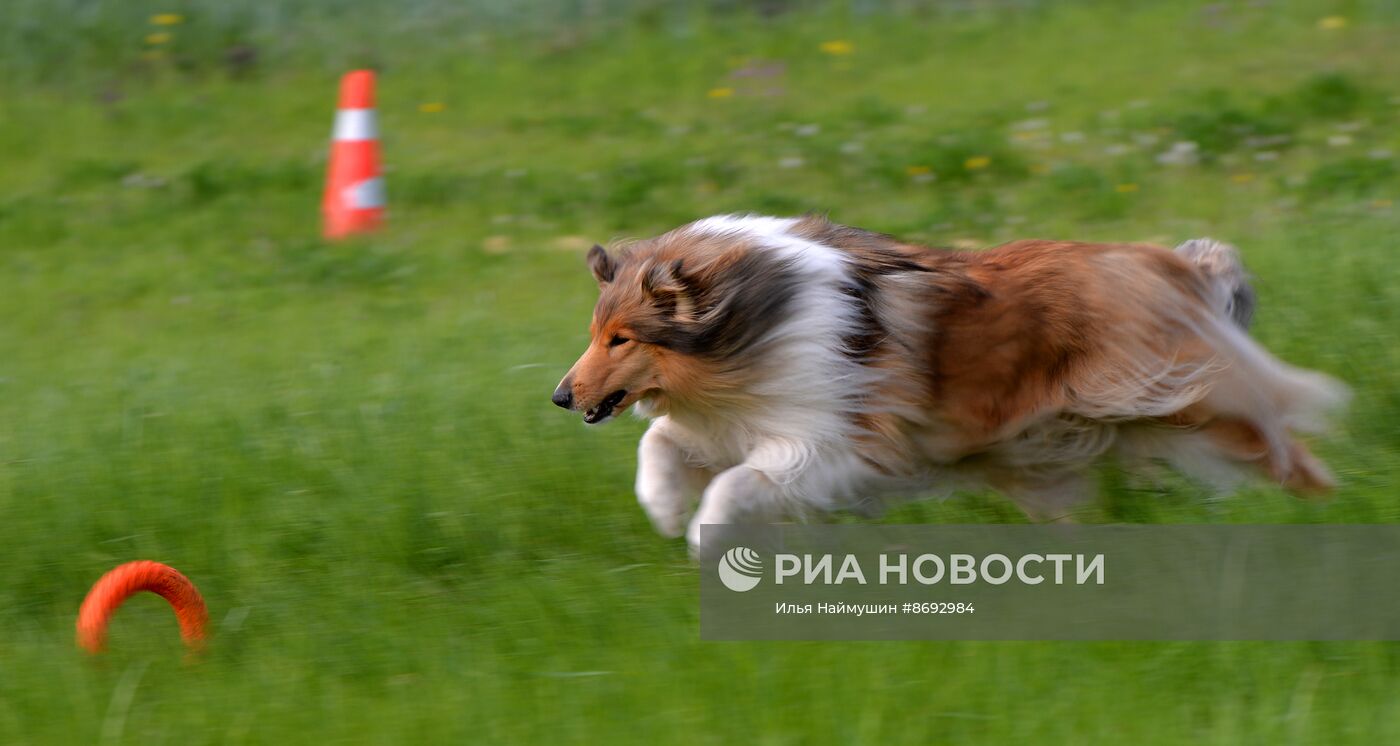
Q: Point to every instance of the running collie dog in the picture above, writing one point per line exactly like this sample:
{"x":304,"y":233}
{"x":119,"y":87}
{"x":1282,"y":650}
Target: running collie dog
{"x":793,"y":366}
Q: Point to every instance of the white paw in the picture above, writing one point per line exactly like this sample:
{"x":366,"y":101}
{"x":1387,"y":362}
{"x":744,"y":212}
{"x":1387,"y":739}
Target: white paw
{"x":692,"y":538}
{"x":712,"y":513}
{"x":668,"y":513}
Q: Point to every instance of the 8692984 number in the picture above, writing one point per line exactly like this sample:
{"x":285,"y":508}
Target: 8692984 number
{"x":938,"y":607}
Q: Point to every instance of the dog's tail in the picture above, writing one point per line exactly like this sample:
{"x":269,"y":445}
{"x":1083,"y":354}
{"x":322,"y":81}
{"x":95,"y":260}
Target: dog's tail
{"x":1229,"y":283}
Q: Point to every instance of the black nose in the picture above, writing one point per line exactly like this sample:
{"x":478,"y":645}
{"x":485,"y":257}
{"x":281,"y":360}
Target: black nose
{"x":563,"y":397}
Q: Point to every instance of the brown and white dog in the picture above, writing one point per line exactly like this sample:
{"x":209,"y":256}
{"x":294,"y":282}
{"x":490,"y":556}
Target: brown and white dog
{"x":793,"y":366}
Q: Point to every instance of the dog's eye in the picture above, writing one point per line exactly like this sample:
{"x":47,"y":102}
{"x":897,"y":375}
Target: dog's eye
{"x":617,"y":340}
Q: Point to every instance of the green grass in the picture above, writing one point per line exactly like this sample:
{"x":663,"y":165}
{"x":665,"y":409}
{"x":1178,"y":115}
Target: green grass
{"x":350,"y":447}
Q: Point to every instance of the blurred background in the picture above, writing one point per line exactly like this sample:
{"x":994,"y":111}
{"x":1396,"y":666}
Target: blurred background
{"x":350,"y":448}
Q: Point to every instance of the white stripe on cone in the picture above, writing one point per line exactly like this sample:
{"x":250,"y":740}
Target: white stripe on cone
{"x":363,"y":195}
{"x":355,"y":124}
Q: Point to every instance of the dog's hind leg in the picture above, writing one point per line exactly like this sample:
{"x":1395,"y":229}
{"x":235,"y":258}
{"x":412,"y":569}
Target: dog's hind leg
{"x":1256,"y":404}
{"x":1224,"y":450}
{"x":1293,"y":467}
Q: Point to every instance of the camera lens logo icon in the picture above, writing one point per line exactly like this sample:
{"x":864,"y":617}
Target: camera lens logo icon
{"x":740,"y":569}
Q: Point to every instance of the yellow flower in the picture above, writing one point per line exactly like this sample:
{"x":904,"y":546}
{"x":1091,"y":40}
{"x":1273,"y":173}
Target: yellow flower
{"x":1125,"y":188}
{"x":917,"y":170}
{"x":572,"y":243}
{"x":432,"y":107}
{"x":1242,"y":178}
{"x":1332,"y":23}
{"x":1039,"y":168}
{"x":167,"y":19}
{"x":837,"y":47}
{"x":977,"y":162}
{"x":720,"y":92}
{"x":160,"y":38}
{"x":1381,"y":203}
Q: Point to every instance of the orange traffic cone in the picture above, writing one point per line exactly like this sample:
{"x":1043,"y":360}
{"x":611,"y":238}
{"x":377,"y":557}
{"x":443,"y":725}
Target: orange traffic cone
{"x":354,"y":198}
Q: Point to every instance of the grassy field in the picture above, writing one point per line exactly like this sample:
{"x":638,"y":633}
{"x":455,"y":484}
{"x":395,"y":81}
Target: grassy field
{"x":350,"y":447}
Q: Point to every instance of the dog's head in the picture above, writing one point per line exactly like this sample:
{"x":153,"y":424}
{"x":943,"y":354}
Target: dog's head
{"x":676,"y":318}
{"x":629,"y":336}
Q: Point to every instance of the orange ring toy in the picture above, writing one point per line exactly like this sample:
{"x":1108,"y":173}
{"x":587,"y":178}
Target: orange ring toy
{"x":126,"y":580}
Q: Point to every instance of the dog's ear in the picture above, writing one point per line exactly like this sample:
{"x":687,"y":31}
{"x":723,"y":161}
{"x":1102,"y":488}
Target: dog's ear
{"x":670,"y":289}
{"x":602,"y":265}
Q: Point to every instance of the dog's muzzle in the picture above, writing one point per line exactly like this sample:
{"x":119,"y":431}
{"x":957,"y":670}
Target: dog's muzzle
{"x":605,"y":408}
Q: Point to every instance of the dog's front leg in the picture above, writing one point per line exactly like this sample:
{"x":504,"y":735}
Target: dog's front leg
{"x":667,"y":484}
{"x":738,"y":495}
